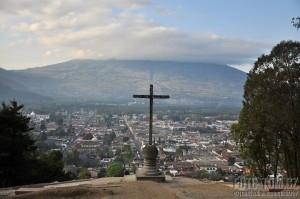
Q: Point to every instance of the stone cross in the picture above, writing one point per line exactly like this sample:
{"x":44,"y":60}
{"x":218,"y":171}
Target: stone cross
{"x":151,"y":97}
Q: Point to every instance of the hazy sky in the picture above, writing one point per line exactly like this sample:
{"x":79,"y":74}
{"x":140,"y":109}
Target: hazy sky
{"x":42,"y":32}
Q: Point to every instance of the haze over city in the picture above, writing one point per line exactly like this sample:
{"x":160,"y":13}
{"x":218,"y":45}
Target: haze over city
{"x":38,"y":33}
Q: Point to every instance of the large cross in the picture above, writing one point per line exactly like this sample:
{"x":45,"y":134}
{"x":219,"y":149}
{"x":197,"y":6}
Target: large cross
{"x":151,"y":97}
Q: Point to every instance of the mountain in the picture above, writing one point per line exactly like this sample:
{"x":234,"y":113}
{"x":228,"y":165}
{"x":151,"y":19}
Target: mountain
{"x":12,"y":88}
{"x":96,"y":80}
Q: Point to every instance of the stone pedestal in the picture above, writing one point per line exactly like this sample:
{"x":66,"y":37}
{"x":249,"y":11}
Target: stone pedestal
{"x":149,"y":171}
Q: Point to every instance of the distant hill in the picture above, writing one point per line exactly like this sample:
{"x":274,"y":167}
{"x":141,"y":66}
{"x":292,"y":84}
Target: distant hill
{"x":96,"y":80}
{"x":11,"y":88}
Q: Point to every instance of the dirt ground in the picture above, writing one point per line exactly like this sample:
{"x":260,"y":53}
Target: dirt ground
{"x":178,"y":189}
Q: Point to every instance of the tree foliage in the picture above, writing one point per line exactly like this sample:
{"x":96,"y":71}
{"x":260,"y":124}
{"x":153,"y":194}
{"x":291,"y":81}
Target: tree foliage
{"x":16,"y":146}
{"x":201,"y":174}
{"x":296,"y":22}
{"x":102,"y":173}
{"x":19,"y":161}
{"x":84,"y":174}
{"x":87,"y":136}
{"x":49,"y":167}
{"x":72,"y":158}
{"x":43,"y":126}
{"x":125,"y":139}
{"x":231,"y":160}
{"x":268,"y":131}
{"x":115,"y":170}
{"x":108,"y":138}
{"x":71,"y":130}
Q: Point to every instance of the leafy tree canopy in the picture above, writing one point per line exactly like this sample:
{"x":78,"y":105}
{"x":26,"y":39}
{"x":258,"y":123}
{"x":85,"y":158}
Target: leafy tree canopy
{"x":115,"y":170}
{"x":87,"y":136}
{"x":84,"y":174}
{"x":268,"y":131}
{"x":50,"y":167}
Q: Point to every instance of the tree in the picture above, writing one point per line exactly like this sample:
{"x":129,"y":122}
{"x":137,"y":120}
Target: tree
{"x":120,"y":159}
{"x":42,"y":146}
{"x":84,"y":174}
{"x":296,"y":22}
{"x":42,"y":136}
{"x":125,"y":139}
{"x":60,"y":122}
{"x":72,"y":158}
{"x":102,"y":173}
{"x":105,"y":152}
{"x":43,"y":126}
{"x":87,"y":136}
{"x":50,"y":167}
{"x":16,"y":146}
{"x":201,"y":174}
{"x":176,"y":118}
{"x":231,"y":160}
{"x":115,"y":170}
{"x":268,"y":131}
{"x":71,"y":130}
{"x":108,"y":138}
{"x":19,"y":161}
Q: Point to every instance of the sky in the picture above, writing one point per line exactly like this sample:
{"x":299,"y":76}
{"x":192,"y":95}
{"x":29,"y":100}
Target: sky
{"x":37,"y":33}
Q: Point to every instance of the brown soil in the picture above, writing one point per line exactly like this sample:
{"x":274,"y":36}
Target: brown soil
{"x":141,"y":190}
{"x":122,"y":190}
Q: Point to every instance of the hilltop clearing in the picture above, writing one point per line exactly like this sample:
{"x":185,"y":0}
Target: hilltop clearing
{"x":120,"y":188}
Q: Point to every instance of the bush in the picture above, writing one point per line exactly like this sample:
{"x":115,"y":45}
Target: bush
{"x":115,"y":170}
{"x":84,"y":174}
{"x":201,"y":174}
{"x":102,"y":173}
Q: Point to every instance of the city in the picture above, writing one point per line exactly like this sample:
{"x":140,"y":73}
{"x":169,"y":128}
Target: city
{"x":89,"y":139}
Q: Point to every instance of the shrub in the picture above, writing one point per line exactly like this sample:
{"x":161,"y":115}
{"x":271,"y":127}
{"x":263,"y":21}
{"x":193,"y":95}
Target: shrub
{"x":84,"y":174}
{"x":115,"y":170}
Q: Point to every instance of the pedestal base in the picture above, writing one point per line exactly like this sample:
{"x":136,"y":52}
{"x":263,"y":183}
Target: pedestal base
{"x":149,"y":171}
{"x":142,"y":177}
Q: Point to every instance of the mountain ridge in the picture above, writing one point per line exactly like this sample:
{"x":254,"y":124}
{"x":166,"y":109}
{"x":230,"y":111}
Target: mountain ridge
{"x":118,"y":79}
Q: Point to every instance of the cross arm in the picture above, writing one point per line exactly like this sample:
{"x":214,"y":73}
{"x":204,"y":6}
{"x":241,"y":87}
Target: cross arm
{"x":141,"y":96}
{"x":161,"y":96}
{"x":154,"y":96}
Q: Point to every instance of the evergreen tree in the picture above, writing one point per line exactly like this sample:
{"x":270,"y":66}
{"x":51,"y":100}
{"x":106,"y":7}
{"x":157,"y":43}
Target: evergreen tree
{"x":19,"y":162}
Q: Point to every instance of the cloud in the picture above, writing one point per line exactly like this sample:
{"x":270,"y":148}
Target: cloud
{"x":75,"y":38}
{"x":243,"y":67}
{"x":52,"y":53}
{"x":118,"y":29}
